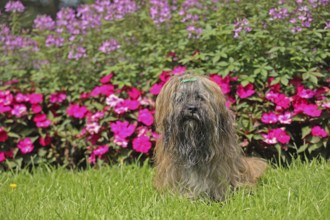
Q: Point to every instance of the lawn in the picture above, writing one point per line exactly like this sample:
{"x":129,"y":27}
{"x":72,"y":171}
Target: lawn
{"x":126,"y":192}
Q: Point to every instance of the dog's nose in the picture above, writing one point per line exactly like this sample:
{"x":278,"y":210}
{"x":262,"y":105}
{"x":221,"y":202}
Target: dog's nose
{"x":192,"y":108}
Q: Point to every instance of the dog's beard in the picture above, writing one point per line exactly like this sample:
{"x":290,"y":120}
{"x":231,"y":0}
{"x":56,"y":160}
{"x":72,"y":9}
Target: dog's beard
{"x":192,"y":133}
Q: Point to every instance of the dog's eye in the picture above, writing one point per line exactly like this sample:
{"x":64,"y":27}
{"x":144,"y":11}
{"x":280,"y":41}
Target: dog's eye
{"x":199,"y":97}
{"x":178,"y":99}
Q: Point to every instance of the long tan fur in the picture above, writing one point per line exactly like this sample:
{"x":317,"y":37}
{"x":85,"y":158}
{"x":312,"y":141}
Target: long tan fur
{"x":185,"y":164}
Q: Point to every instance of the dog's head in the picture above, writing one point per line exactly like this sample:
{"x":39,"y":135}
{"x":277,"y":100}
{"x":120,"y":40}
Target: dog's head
{"x":191,"y":115}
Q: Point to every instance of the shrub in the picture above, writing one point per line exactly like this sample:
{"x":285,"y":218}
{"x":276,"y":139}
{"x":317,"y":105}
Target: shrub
{"x":271,"y":59}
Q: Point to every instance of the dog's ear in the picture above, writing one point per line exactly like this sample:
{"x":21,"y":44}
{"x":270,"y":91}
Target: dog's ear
{"x":164,"y":102}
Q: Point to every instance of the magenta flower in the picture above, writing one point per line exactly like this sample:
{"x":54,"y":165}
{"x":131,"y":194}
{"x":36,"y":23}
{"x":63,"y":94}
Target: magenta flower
{"x":326,"y":105}
{"x":155,"y":89}
{"x":224,"y":83}
{"x":121,"y":108}
{"x":106,"y":79}
{"x":246,"y":91}
{"x":76,"y":111}
{"x":319,"y":132}
{"x":311,"y":110}
{"x":93,"y":128}
{"x":131,"y":104}
{"x":2,"y":157}
{"x":305,"y":93}
{"x":21,"y":98}
{"x":285,"y":118}
{"x":14,"y":6}
{"x":45,"y":141}
{"x":19,"y":110}
{"x":42,"y":121}
{"x":134,"y":93}
{"x":276,"y":135}
{"x":3,"y":135}
{"x":102,"y":90}
{"x":100,"y":151}
{"x":120,"y":141}
{"x":269,"y":118}
{"x":58,"y":97}
{"x":122,"y":129}
{"x":6,"y":98}
{"x":25,"y":145}
{"x":282,"y":101}
{"x":36,"y":109}
{"x":113,"y":100}
{"x":35,"y":98}
{"x":179,"y":70}
{"x":96,"y":116}
{"x":145,"y":116}
{"x":142,"y":144}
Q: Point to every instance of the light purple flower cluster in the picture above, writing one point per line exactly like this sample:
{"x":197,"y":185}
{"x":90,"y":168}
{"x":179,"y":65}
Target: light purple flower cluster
{"x":12,"y":42}
{"x":160,"y":11}
{"x":302,"y":19}
{"x":89,"y":18}
{"x":56,"y":41}
{"x":77,"y":53}
{"x":44,"y":22}
{"x":109,"y":46}
{"x":14,"y":6}
{"x":115,"y":9}
{"x":241,"y":25}
{"x":278,"y":13}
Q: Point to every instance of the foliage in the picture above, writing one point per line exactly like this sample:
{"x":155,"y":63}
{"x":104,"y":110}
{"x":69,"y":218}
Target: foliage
{"x":271,"y":60}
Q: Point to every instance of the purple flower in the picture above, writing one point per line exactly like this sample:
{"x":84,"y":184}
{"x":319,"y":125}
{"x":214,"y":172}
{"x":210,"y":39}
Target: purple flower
{"x":44,"y":22}
{"x":160,"y":11}
{"x":14,"y":6}
{"x":77,"y":53}
{"x":241,"y":25}
{"x":109,"y":46}
{"x":278,"y":13}
{"x":54,"y":41}
{"x":327,"y":25}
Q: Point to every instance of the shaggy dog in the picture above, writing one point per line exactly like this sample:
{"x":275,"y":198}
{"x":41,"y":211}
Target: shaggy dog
{"x":197,"y":154}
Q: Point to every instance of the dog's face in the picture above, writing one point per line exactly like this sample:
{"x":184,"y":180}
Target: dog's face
{"x":190,"y":114}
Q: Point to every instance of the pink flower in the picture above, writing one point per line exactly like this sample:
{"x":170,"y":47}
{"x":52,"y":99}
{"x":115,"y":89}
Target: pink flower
{"x":25,"y":145}
{"x":164,"y":76}
{"x":311,"y":110}
{"x":93,"y":128}
{"x":95,"y":117}
{"x":101,"y":150}
{"x":4,"y":109}
{"x":305,"y":93}
{"x":122,"y":129}
{"x":142,"y":144}
{"x":285,"y":118}
{"x":21,"y":98}
{"x":44,"y":124}
{"x":19,"y":110}
{"x":3,"y":135}
{"x":113,"y":100}
{"x":2,"y":157}
{"x":134,"y":93}
{"x":6,"y":98}
{"x":271,"y":95}
{"x":179,"y":70}
{"x":319,"y":132}
{"x":246,"y":91}
{"x":45,"y":141}
{"x":76,"y":111}
{"x":106,"y":79}
{"x":36,"y":108}
{"x":282,"y":101}
{"x":131,"y":104}
{"x":224,"y":83}
{"x":326,"y":105}
{"x":9,"y":153}
{"x":102,"y":90}
{"x":145,"y":116}
{"x":35,"y":98}
{"x":269,"y":118}
{"x":155,"y":89}
{"x":120,"y":141}
{"x":121,"y":108}
{"x":58,"y":97}
{"x":276,"y":135}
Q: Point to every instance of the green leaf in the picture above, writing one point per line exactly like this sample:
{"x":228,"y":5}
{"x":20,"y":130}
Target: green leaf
{"x":305,"y":131}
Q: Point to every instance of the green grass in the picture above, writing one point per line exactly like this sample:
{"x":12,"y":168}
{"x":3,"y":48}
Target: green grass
{"x":300,"y":192}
